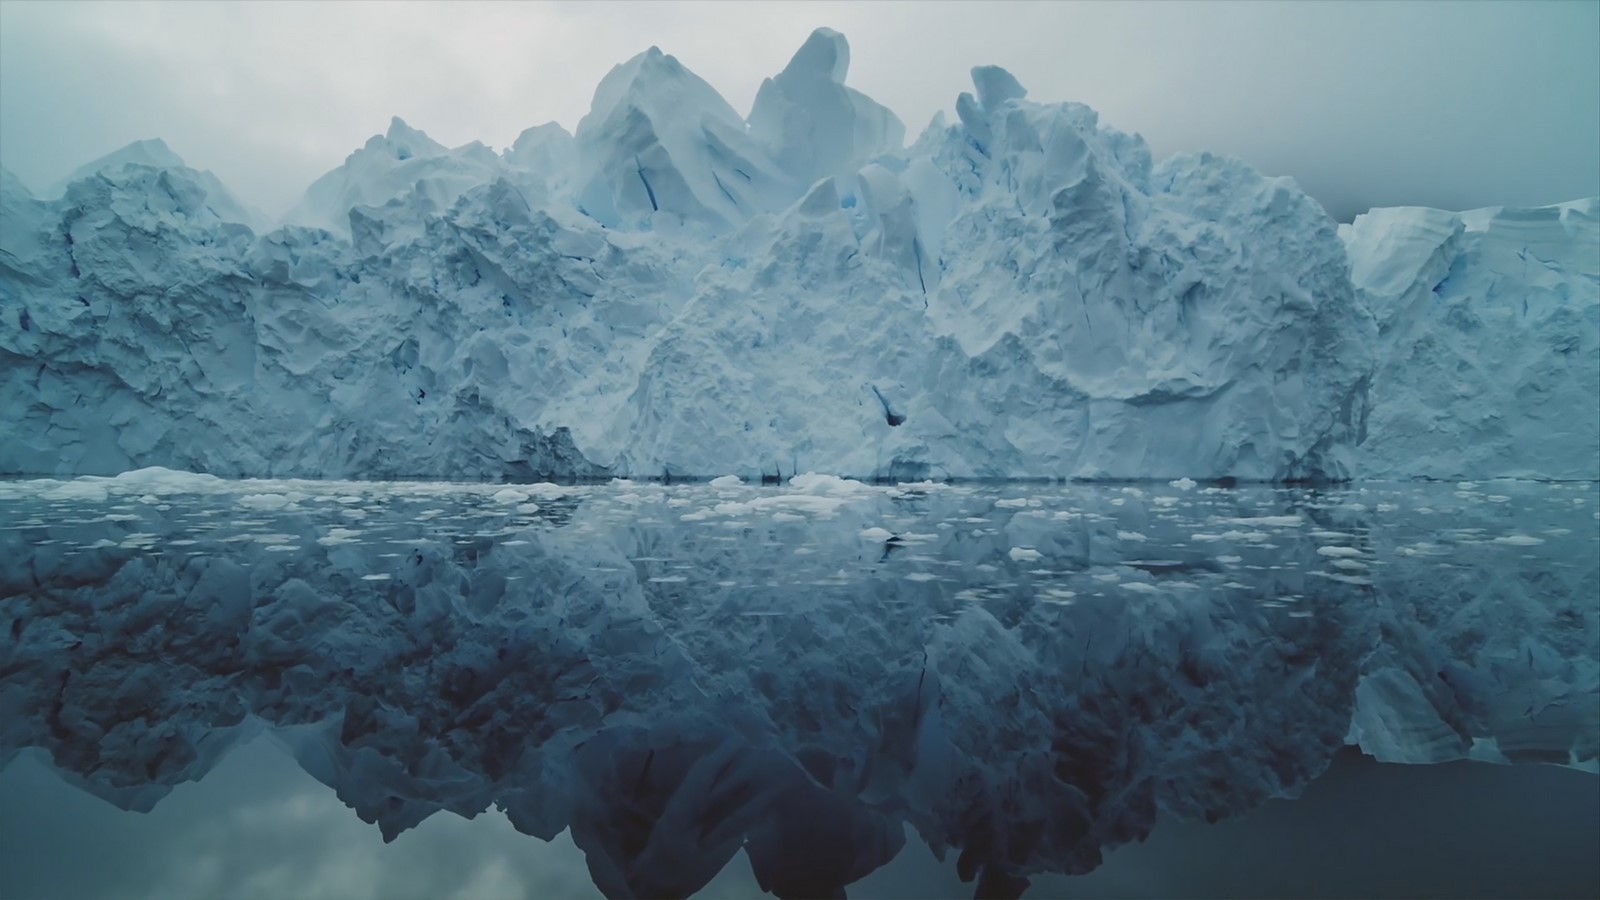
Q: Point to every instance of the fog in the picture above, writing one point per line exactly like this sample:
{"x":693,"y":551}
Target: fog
{"x":1454,"y":105}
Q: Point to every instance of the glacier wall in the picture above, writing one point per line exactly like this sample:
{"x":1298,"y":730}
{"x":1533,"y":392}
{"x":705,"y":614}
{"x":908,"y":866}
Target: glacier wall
{"x":1489,"y":336}
{"x":677,"y":290}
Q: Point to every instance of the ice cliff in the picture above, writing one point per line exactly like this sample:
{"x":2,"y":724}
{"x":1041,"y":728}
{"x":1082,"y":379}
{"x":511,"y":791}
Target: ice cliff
{"x":675,"y":289}
{"x":1489,"y":337}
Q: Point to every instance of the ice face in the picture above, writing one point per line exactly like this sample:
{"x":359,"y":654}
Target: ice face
{"x":1490,"y":341}
{"x":813,"y":125}
{"x":663,"y":672}
{"x":675,"y":290}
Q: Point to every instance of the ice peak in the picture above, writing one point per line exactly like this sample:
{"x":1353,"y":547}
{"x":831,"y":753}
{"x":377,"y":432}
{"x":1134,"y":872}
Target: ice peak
{"x":405,"y":142}
{"x":152,"y":152}
{"x":659,"y":86}
{"x":11,"y":184}
{"x":825,"y":53}
{"x":995,"y":86}
{"x":399,"y":129}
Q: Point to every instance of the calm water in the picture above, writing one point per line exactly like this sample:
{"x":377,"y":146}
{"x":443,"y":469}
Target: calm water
{"x":727,"y":689}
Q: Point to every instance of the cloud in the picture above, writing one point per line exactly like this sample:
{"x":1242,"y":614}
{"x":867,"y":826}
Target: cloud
{"x":1458,"y":105}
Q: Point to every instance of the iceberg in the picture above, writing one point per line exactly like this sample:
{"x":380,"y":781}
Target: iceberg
{"x":678,"y":290}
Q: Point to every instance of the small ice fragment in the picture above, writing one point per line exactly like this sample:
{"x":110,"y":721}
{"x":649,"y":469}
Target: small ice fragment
{"x":1338,"y":551}
{"x":1021,"y":554}
{"x":1519,"y":540}
{"x":1131,"y":536}
{"x":727,"y":481}
{"x":1183,"y":484}
{"x":381,"y":576}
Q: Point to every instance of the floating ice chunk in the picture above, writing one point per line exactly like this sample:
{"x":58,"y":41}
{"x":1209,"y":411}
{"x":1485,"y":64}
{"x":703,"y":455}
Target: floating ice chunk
{"x":1228,"y":560}
{"x":1141,"y":587}
{"x":878,"y":535}
{"x":1338,"y":551}
{"x":1266,"y":521}
{"x":1012,"y":502}
{"x":508,"y":495}
{"x":1183,"y":484}
{"x":264,"y":502}
{"x":1519,"y":540}
{"x":1131,"y":536}
{"x":1025,"y":554}
{"x":377,"y":576}
{"x":814,"y":483}
{"x":336,"y":536}
{"x":921,"y":576}
{"x":727,"y":481}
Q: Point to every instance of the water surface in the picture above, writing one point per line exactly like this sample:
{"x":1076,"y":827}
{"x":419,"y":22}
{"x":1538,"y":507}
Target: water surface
{"x":818,"y":683}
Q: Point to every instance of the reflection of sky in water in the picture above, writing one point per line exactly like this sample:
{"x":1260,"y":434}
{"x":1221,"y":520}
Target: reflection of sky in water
{"x":257,"y":827}
{"x":1467,"y":612}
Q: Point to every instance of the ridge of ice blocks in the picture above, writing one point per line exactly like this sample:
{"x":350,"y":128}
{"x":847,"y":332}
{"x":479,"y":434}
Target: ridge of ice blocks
{"x":617,"y":661}
{"x":676,"y":289}
{"x":1489,"y":341}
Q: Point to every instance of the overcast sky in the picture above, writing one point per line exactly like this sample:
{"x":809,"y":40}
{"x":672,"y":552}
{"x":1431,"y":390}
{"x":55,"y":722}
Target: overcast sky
{"x":1455,"y":105}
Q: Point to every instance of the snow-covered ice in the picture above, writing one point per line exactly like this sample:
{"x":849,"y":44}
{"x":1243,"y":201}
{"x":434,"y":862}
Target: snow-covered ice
{"x":676,"y":289}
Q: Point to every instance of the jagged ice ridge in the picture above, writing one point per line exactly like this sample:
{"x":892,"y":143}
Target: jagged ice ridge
{"x":678,"y":290}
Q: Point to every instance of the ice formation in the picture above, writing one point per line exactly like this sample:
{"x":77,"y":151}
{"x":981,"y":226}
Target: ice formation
{"x":677,"y":290}
{"x":617,"y":660}
{"x":1489,"y":336}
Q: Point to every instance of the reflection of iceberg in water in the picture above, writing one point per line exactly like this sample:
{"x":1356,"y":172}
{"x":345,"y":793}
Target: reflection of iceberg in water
{"x":678,"y":673}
